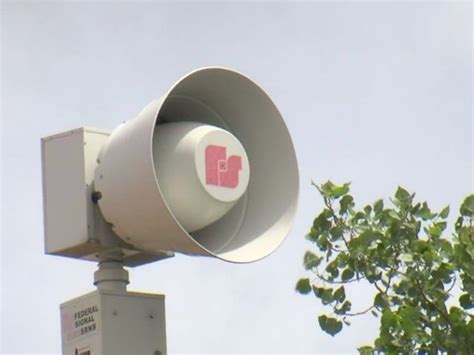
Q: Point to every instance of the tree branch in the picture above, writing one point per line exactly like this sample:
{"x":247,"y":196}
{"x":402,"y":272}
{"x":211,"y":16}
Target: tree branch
{"x":321,"y":277}
{"x":443,"y":314}
{"x":452,"y":285}
{"x":361,"y":312}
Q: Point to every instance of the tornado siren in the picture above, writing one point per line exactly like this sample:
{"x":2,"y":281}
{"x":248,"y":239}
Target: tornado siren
{"x":208,"y":169}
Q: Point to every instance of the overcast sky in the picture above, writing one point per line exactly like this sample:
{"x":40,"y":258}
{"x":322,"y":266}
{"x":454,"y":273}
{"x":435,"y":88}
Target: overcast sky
{"x":379,"y":94}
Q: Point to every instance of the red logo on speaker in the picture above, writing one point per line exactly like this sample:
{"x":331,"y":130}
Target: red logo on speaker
{"x":220,"y":170}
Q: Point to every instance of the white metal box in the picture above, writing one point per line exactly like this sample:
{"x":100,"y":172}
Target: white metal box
{"x":106,"y":322}
{"x":74,"y":225}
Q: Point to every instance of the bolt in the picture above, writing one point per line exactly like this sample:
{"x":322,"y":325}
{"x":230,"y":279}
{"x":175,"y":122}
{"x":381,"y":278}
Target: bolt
{"x":96,"y":196}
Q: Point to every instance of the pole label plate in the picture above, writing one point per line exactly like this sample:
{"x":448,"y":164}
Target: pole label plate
{"x":80,"y":320}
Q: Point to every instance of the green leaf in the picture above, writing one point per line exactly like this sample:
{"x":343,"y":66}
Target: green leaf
{"x":332,"y":268}
{"x":313,"y":235}
{"x":407,"y":258}
{"x":378,"y":206}
{"x":347,"y":274}
{"x":443,"y":273}
{"x":336,"y":233}
{"x":467,"y":206}
{"x":357,"y":217}
{"x":346,"y":202}
{"x":456,"y":315}
{"x":330,"y":325}
{"x":466,"y":301}
{"x":330,"y":190}
{"x":444,"y":212}
{"x":363,"y":241}
{"x":437,"y":229}
{"x":380,"y":301}
{"x":408,"y":321}
{"x":326,"y":188}
{"x":401,"y":194}
{"x":339,"y":191}
{"x":327,"y":296}
{"x":303,"y":286}
{"x":387,"y":318}
{"x":321,"y":223}
{"x":311,"y":260}
{"x":340,"y":294}
{"x":468,"y":285}
{"x":323,"y":242}
{"x":368,"y":210}
{"x":346,"y":307}
{"x":425,"y":213}
{"x":445,"y":246}
{"x":318,"y":291}
{"x":366,"y":350}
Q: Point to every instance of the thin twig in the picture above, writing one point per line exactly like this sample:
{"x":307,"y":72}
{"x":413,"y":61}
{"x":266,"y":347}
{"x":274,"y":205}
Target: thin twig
{"x":360,"y":313}
{"x":452,"y":285}
{"x":336,"y":282}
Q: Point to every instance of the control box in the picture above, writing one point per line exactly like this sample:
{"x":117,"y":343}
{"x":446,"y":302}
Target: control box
{"x":73,"y":224}
{"x":108,"y":322}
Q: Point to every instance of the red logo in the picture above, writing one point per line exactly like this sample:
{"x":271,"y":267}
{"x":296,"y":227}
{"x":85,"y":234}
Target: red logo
{"x":222,"y":171}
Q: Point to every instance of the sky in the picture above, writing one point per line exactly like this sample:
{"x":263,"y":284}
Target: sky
{"x":376,"y":93}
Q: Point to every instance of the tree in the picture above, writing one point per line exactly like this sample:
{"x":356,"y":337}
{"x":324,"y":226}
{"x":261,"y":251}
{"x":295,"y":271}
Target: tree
{"x":403,"y":252}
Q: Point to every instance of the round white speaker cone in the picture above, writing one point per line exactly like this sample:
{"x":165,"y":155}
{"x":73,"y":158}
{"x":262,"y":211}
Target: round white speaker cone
{"x":202,"y":171}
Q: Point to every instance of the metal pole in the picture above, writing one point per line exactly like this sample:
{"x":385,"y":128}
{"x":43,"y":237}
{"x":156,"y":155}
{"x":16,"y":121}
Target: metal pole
{"x":110,"y":320}
{"x":111,"y":274}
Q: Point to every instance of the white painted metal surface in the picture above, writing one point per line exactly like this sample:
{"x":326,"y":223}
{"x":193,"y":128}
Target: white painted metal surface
{"x":180,"y":150}
{"x":69,"y":162}
{"x":132,"y":196}
{"x":73,"y":224}
{"x":107,"y":322}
